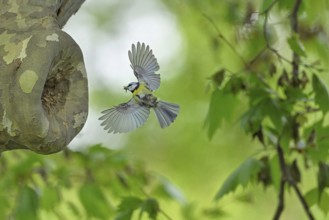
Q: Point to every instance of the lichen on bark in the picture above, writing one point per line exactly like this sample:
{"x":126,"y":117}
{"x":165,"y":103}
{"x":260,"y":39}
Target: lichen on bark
{"x":43,"y":84}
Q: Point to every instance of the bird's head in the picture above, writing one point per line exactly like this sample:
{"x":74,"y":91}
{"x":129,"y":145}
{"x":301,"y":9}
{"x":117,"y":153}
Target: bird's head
{"x":131,"y":86}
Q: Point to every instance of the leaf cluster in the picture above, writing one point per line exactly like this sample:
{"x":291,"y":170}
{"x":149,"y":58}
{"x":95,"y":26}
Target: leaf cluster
{"x":99,"y":183}
{"x":282,"y":103}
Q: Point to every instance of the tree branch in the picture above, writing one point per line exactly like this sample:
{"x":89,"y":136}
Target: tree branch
{"x":295,"y":57}
{"x":67,"y":9}
{"x":283,"y":169}
{"x":43,"y":82}
{"x":228,"y":43}
{"x":286,"y":177}
{"x":280,"y":206}
{"x":303,"y":201}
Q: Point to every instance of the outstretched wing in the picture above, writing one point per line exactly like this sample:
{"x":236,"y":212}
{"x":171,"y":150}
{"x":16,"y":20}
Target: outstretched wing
{"x":124,"y":117}
{"x":144,"y":65}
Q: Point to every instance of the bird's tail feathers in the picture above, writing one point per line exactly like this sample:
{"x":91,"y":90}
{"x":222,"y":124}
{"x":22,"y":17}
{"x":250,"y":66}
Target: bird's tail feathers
{"x":166,"y":113}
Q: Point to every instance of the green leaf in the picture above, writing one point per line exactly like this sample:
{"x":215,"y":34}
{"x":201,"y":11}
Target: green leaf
{"x":262,"y":107}
{"x":321,"y":93}
{"x":4,"y":206}
{"x":221,"y":107}
{"x":274,"y":111}
{"x":323,"y":177}
{"x":234,"y":85}
{"x":296,"y":45}
{"x":127,"y":215}
{"x":63,"y":176}
{"x":258,"y":93}
{"x":264,"y":175}
{"x":27,"y":204}
{"x":272,"y":69}
{"x":317,"y":142}
{"x":73,"y":208}
{"x":94,"y":202}
{"x":295,"y":94}
{"x":49,"y":198}
{"x":151,"y":207}
{"x":266,"y":4}
{"x":286,"y":5}
{"x":218,"y":77}
{"x":241,"y":176}
{"x":25,"y":166}
{"x":275,"y":172}
{"x":130,"y":203}
{"x":189,"y":211}
{"x":323,"y":203}
{"x":294,"y":171}
{"x":214,"y":212}
{"x":251,"y":120}
{"x":285,"y":137}
{"x":127,"y":206}
{"x":312,"y":197}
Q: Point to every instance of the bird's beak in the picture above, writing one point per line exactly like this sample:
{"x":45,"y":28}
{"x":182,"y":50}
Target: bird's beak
{"x":125,"y":88}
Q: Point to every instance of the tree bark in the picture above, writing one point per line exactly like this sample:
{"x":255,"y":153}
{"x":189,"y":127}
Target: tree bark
{"x":43,"y":84}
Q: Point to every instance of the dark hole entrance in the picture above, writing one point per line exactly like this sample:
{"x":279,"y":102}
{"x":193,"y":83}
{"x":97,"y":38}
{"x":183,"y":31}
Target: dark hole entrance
{"x":56,"y":88}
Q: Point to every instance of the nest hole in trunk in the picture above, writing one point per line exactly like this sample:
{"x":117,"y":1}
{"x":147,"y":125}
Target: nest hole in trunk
{"x":56,"y":88}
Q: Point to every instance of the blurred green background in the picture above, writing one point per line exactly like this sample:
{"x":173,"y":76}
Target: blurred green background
{"x":189,"y":50}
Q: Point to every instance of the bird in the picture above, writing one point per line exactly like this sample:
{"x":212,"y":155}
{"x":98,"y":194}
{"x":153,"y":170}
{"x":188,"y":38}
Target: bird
{"x":130,"y":115}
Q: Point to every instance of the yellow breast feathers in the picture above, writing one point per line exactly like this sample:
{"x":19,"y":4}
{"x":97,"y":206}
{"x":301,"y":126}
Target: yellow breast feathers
{"x":141,"y":90}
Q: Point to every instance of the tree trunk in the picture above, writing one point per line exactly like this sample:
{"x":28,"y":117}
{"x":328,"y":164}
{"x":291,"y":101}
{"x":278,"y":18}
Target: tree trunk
{"x":43,"y":84}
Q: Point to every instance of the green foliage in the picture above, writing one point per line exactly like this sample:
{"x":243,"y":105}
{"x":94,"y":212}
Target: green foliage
{"x":323,"y":177}
{"x":127,"y":206}
{"x":95,"y":177}
{"x":285,"y":112}
{"x":26,"y":204}
{"x":321,"y":93}
{"x":253,"y":84}
{"x":323,"y":203}
{"x":94,"y":202}
{"x":151,"y":207}
{"x":241,"y":176}
{"x":313,"y":198}
{"x":296,"y":45}
{"x":50,"y":198}
{"x":214,"y":212}
{"x":221,"y":107}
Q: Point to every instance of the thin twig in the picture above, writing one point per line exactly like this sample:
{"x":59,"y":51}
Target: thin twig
{"x":303,"y":201}
{"x":280,"y":206}
{"x":160,"y":210}
{"x":286,"y":177}
{"x":294,"y":16}
{"x":165,"y":214}
{"x":221,"y":36}
{"x":269,"y":7}
{"x":283,"y":169}
{"x":285,"y":174}
{"x":295,"y":71}
{"x":266,"y":37}
{"x":295,"y":56}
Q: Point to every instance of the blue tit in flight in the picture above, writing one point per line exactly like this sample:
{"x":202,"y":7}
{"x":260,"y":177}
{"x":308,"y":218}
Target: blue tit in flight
{"x":134,"y":113}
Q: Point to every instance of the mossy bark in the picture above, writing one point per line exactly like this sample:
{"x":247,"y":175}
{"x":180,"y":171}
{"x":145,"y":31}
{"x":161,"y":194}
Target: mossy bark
{"x":43,"y":84}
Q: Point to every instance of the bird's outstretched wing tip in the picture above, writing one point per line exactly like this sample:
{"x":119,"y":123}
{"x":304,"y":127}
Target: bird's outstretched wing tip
{"x":144,"y":64}
{"x":124,"y":117}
